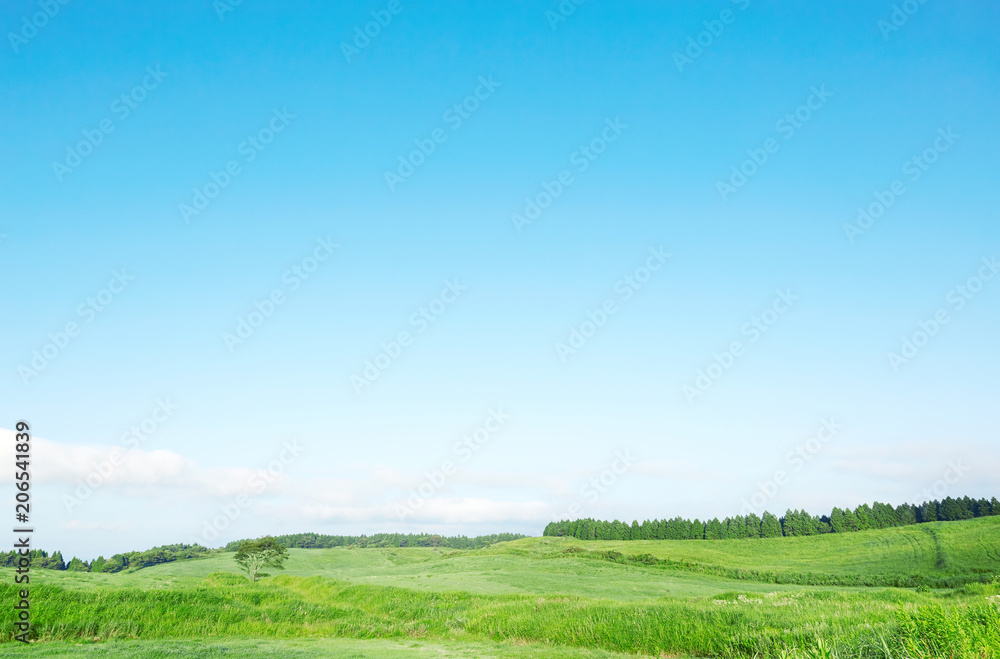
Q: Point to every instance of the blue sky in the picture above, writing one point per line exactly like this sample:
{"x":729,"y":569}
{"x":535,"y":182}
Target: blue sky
{"x":220,"y":84}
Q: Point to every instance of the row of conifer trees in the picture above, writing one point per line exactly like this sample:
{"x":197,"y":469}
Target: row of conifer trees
{"x":792,"y":523}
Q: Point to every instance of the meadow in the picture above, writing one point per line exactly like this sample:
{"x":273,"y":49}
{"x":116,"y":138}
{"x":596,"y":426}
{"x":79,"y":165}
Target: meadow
{"x":816,"y":596}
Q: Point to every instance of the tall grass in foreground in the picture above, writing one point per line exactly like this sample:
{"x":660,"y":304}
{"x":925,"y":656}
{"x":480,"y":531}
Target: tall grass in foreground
{"x":883,"y":623}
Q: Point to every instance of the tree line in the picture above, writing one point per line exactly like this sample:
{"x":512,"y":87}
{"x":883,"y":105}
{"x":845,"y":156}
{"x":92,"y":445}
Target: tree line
{"x":134,"y":560}
{"x":317,"y":541}
{"x":793,"y":523}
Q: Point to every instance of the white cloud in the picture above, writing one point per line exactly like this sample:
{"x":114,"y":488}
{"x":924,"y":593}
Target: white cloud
{"x":143,"y":473}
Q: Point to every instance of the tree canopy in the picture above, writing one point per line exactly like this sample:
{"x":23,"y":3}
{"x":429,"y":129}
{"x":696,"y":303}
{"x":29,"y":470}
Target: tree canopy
{"x":792,"y":523}
{"x":254,"y":555}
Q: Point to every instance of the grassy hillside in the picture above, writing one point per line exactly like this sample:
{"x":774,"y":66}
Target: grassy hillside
{"x":937,"y":554}
{"x":493,"y":573}
{"x":531,"y":598}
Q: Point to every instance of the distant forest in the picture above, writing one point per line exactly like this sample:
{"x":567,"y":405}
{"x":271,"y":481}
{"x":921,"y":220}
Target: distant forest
{"x":136,"y":560}
{"x":793,"y":523}
{"x":132,"y":560}
{"x":316,"y":541}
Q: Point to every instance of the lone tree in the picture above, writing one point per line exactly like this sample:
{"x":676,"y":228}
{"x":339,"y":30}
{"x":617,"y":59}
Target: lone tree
{"x":252,"y":555}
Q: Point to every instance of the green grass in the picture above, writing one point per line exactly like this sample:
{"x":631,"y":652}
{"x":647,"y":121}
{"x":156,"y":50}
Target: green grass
{"x":475,"y":572}
{"x":347,"y":648}
{"x":532,"y":598}
{"x":728,"y":625}
{"x":943,"y":554}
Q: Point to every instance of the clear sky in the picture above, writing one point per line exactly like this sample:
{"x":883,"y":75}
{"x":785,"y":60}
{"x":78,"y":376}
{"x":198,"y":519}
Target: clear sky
{"x":489,"y":178}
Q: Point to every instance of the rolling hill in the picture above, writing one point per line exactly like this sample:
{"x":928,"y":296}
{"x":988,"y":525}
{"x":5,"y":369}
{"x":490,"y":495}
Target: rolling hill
{"x":552,"y":597}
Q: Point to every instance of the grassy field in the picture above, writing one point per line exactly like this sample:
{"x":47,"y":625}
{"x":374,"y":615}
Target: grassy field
{"x":543,"y":597}
{"x":485,"y":572}
{"x":943,"y":554}
{"x":299,"y":648}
